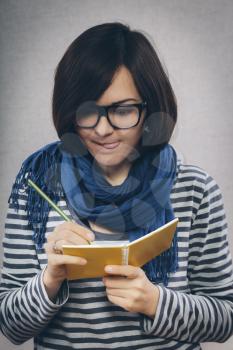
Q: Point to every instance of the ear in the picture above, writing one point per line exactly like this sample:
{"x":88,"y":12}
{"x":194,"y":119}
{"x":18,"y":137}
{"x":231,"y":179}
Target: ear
{"x":157,"y":129}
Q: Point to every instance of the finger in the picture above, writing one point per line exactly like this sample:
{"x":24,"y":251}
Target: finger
{"x":70,"y":237}
{"x":50,"y":248}
{"x":118,"y":292}
{"x":124,"y":270}
{"x":58,"y":260}
{"x":122,"y":302}
{"x":67,"y":230}
{"x":61,"y":259}
{"x":60,"y":243}
{"x":117,"y":282}
{"x":78,"y":230}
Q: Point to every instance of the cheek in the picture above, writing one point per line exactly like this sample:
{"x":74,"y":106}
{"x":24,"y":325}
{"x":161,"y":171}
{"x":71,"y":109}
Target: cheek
{"x":132,"y":137}
{"x":85,"y":135}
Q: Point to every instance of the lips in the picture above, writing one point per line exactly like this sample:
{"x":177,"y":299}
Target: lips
{"x":111,"y":145}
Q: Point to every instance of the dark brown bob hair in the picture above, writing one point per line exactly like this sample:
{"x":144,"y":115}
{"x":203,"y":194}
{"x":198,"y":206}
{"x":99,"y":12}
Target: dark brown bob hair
{"x":87,"y":68}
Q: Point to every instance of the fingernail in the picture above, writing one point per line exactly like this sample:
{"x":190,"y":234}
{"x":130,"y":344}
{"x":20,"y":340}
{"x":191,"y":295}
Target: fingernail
{"x":108,"y":269}
{"x":90,"y":236}
{"x":83,"y":261}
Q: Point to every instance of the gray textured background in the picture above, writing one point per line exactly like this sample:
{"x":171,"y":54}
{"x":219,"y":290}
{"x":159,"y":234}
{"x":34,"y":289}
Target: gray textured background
{"x":194,"y":40}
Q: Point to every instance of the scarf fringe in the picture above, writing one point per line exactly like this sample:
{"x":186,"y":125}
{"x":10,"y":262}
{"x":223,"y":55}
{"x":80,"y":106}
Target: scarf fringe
{"x":158,"y":269}
{"x":42,"y":167}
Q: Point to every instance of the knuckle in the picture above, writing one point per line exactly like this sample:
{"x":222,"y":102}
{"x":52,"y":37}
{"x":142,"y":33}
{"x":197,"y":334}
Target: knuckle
{"x":106,"y":283}
{"x":138,"y":271}
{"x":130,"y":305}
{"x":47,"y":245}
{"x":50,"y":238}
{"x":66,"y":234}
{"x":137,"y":295}
{"x":141,"y":283}
{"x":139,"y":288}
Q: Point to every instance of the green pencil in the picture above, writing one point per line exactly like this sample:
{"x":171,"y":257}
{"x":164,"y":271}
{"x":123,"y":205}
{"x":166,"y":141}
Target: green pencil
{"x":43,"y":195}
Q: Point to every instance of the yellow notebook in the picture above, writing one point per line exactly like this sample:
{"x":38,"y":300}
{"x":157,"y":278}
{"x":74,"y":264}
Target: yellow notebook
{"x":136,"y":253}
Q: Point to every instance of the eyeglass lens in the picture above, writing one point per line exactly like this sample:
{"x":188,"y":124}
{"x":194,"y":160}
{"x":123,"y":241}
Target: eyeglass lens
{"x":121,"y":116}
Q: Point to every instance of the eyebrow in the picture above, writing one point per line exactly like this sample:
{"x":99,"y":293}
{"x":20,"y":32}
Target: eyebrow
{"x":125,"y":100}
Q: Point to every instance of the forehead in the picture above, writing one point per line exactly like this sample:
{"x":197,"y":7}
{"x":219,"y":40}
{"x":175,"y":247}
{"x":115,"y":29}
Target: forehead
{"x":121,"y":88}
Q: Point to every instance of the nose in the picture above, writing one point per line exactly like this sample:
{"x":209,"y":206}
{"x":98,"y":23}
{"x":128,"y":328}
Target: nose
{"x":103,"y":127}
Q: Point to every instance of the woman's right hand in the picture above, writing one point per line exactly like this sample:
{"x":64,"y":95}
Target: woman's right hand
{"x":55,"y":272}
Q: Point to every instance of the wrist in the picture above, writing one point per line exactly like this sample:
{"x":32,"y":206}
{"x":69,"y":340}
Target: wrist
{"x":152,"y":302}
{"x":52,"y":285}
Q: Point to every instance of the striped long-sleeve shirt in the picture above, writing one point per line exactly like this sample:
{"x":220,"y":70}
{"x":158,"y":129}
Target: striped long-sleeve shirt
{"x":196,"y":306}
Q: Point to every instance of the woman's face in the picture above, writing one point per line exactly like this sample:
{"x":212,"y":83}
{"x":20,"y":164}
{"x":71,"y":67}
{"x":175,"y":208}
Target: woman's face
{"x":111,"y":147}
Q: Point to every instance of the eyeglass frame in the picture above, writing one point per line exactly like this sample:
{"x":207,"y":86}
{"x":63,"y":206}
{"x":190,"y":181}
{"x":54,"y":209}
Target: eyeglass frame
{"x":103,"y":112}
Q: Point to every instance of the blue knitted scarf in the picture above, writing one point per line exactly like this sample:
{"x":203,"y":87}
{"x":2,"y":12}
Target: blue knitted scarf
{"x":137,"y":206}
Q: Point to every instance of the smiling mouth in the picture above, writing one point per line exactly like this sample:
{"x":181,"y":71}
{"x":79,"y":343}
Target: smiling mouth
{"x":109,"y":146}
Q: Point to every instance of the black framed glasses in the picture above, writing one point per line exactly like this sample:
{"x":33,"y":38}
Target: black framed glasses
{"x":119,"y":116}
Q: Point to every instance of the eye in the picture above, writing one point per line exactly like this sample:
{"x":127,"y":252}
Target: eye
{"x":124,"y":110}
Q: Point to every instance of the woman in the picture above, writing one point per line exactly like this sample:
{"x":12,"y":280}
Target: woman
{"x":116,"y":176}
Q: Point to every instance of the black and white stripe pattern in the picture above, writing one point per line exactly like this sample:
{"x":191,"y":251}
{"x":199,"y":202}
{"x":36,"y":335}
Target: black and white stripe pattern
{"x":197,"y":305}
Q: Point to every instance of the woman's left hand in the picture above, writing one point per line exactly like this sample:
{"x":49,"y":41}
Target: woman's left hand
{"x":128,"y":286}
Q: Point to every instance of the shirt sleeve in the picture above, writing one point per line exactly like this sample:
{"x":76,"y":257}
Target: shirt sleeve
{"x":25,"y":308}
{"x":206,"y":312}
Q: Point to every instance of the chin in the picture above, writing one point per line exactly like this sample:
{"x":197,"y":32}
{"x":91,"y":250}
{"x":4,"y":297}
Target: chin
{"x":108,"y":161}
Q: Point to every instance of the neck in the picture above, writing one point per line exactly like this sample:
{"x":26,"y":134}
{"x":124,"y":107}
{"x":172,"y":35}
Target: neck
{"x":116,"y":175}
